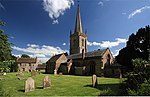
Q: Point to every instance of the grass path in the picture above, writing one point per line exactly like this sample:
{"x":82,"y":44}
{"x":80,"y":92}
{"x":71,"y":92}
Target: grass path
{"x":65,"y":85}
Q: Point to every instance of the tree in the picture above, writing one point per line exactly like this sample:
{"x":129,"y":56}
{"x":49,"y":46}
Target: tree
{"x":7,"y":60}
{"x":25,"y":56}
{"x":138,"y":46}
{"x":5,"y":49}
{"x":138,"y":81}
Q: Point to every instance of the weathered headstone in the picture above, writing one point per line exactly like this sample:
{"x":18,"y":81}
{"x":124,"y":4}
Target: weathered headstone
{"x":60,"y":73}
{"x":46,"y":82}
{"x":55,"y":72}
{"x":29,"y":85}
{"x":94,"y":80}
{"x":4,"y":73}
{"x":120,"y":75}
{"x":33,"y":73}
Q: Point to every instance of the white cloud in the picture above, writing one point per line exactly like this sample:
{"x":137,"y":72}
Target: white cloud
{"x":17,"y":55}
{"x":43,"y":59}
{"x":138,"y":11}
{"x":64,"y":44}
{"x":56,"y":8}
{"x":105,"y":44}
{"x":33,"y":45}
{"x":1,"y":6}
{"x":55,"y":22}
{"x":11,"y":37}
{"x":116,"y":53}
{"x":41,"y":52}
{"x":100,"y":3}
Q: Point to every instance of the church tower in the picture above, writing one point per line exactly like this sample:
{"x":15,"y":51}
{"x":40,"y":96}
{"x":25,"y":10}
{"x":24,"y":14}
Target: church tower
{"x":78,"y":40}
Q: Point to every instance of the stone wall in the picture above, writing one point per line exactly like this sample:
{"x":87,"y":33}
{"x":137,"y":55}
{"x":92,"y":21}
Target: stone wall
{"x":27,"y":66}
{"x":79,"y":71}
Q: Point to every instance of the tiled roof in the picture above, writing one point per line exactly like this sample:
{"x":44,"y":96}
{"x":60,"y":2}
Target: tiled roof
{"x":96,"y":53}
{"x":26,"y":60}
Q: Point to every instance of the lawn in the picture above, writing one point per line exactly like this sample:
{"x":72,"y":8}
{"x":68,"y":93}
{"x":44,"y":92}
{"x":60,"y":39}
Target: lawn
{"x":62,"y":85}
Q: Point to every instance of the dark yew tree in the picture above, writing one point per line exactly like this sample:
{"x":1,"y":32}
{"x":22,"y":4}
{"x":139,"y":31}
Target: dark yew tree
{"x":138,"y":46}
{"x":25,"y":56}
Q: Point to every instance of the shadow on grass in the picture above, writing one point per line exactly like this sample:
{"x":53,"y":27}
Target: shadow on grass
{"x":21,"y":90}
{"x":40,"y":87}
{"x":107,"y":89}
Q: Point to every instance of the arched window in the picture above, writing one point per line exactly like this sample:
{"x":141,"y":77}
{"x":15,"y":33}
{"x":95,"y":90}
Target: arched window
{"x":108,"y":59}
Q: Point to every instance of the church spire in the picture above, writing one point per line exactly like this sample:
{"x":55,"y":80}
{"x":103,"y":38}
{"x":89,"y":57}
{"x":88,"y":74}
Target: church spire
{"x":78,"y":25}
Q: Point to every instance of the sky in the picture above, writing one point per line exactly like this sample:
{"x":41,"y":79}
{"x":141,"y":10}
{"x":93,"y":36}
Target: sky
{"x":41,"y":28}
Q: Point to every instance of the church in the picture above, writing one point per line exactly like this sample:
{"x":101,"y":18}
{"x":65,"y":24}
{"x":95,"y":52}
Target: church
{"x":80,"y":61}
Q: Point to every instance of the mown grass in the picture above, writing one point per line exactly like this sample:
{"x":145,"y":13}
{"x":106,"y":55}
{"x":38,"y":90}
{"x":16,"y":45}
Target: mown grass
{"x":62,"y":85}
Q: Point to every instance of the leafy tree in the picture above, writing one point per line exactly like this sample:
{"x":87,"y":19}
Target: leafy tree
{"x":5,"y":49}
{"x":138,"y":46}
{"x":139,"y":65}
{"x":7,"y":60}
{"x":25,"y":56}
{"x":138,"y":81}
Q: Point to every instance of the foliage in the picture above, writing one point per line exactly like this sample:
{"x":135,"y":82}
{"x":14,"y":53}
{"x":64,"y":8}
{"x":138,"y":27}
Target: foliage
{"x":25,"y":56}
{"x":64,"y":85}
{"x":7,"y":60}
{"x":138,"y":46}
{"x":138,"y":81}
{"x":142,"y":90}
{"x":13,"y":66}
{"x":139,"y":65}
{"x":5,"y":49}
{"x":7,"y":66}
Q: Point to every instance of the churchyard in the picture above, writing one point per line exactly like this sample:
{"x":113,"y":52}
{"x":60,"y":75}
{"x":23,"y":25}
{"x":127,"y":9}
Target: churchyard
{"x":13,"y":84}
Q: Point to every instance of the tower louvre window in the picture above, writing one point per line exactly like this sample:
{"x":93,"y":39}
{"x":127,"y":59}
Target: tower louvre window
{"x":82,"y":42}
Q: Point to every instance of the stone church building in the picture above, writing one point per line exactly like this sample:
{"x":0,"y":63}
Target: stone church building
{"x":80,"y":61}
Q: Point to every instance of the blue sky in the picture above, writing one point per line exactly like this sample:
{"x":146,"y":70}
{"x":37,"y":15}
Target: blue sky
{"x":41,"y":27}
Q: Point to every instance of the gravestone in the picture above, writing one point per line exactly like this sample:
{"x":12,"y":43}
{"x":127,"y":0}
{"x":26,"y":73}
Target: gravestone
{"x":4,"y":73}
{"x":33,"y":73}
{"x":46,"y":82}
{"x":94,"y":80}
{"x":29,"y":85}
{"x":55,"y":72}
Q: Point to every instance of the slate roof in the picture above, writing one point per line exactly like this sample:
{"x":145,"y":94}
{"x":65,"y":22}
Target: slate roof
{"x":96,"y":53}
{"x":56,"y":57}
{"x":27,"y":60}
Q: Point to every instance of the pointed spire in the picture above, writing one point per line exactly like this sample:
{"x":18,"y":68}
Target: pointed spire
{"x":78,"y":25}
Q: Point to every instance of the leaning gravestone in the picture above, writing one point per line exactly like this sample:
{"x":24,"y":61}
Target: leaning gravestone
{"x":29,"y":85}
{"x":94,"y":80}
{"x":33,"y":73}
{"x":46,"y":82}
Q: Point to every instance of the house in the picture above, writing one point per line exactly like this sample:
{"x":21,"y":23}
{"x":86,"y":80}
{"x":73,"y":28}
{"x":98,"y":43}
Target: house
{"x":27,"y":64}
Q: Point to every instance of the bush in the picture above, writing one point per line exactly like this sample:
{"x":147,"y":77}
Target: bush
{"x":7,"y":66}
{"x":137,"y":82}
